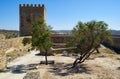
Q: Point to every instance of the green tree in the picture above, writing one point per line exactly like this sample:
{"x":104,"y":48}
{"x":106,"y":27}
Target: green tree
{"x":41,"y":37}
{"x":87,"y":37}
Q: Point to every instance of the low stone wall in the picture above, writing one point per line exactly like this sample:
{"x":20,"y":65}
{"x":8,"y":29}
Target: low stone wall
{"x":14,"y":42}
{"x":60,"y":38}
{"x":116,"y":42}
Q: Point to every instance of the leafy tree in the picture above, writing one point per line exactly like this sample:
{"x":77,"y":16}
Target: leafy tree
{"x":87,"y":37}
{"x":41,"y":37}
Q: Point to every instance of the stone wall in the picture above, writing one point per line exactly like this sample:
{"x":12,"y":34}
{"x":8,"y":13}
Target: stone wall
{"x":116,"y":40}
{"x":14,"y":42}
{"x":2,"y":60}
{"x":6,"y":44}
{"x":60,"y":38}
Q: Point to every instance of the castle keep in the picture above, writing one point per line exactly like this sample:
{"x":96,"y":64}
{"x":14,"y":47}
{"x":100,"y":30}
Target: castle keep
{"x":28,"y":15}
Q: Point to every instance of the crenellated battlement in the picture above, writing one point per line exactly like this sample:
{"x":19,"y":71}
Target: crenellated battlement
{"x":31,"y":5}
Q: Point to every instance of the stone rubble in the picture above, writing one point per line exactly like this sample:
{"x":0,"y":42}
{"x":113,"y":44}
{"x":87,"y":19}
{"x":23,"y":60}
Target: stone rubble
{"x":32,"y":75}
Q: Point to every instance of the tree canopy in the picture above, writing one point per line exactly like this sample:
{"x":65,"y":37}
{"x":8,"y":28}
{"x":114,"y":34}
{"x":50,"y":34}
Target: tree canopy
{"x":41,"y":37}
{"x":87,"y":37}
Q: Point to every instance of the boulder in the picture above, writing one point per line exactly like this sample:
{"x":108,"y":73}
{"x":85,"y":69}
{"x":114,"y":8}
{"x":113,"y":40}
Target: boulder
{"x":32,"y":75}
{"x":65,"y":53}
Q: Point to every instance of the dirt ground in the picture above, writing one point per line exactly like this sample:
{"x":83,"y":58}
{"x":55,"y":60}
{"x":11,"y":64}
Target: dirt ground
{"x":99,"y":66}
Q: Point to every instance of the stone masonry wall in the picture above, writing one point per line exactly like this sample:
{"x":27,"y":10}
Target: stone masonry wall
{"x":2,"y":60}
{"x":28,"y":15}
{"x":2,"y":53}
{"x":6,"y":44}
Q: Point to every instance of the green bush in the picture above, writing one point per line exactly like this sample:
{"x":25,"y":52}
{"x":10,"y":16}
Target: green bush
{"x":26,"y":41}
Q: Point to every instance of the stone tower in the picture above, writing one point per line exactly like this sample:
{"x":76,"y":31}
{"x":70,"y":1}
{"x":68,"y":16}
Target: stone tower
{"x":28,"y":15}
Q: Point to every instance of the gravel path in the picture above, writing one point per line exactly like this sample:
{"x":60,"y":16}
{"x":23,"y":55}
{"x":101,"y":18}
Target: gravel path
{"x":25,"y":60}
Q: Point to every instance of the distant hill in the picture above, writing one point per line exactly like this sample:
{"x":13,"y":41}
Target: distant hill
{"x":115,"y":32}
{"x":9,"y":33}
{"x":61,"y":31}
{"x":15,"y":33}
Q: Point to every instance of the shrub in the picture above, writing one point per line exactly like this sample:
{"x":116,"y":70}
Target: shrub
{"x":26,"y":41}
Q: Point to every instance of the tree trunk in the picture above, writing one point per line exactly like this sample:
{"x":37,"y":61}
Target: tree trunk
{"x":82,"y":58}
{"x":97,"y":50}
{"x":75,"y":63}
{"x":46,"y":58}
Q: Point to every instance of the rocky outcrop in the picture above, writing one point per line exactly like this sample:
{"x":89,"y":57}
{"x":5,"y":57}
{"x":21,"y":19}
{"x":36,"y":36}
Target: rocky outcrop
{"x":32,"y":75}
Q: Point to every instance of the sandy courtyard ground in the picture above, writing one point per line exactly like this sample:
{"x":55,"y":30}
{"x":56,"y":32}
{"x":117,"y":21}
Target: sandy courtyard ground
{"x":99,"y":67}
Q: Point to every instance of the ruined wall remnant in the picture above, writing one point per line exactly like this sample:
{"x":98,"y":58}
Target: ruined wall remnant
{"x":2,"y":60}
{"x":2,"y":53}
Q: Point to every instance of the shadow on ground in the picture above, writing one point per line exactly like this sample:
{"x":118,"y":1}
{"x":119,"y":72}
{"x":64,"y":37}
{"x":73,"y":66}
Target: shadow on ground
{"x":118,"y":58}
{"x":43,"y":54}
{"x":62,"y":69}
{"x":19,"y":69}
{"x":118,"y":68}
{"x":102,"y":56}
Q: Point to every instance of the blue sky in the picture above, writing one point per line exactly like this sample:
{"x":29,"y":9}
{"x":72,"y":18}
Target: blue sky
{"x":64,"y":14}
